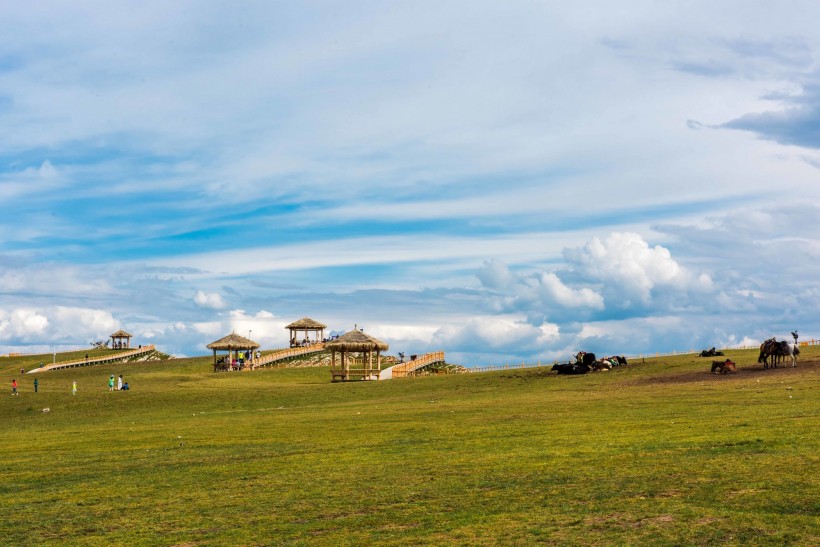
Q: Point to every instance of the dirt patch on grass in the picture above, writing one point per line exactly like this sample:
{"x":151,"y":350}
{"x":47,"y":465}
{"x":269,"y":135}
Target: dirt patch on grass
{"x":744,"y":372}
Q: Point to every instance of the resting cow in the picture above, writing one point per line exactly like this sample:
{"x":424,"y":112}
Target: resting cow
{"x":571,"y":368}
{"x":711,"y":353}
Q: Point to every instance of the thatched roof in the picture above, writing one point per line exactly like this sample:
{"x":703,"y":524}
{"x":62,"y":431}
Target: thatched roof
{"x":120,"y":334}
{"x":356,"y":341}
{"x":306,"y":323}
{"x":233,"y":341}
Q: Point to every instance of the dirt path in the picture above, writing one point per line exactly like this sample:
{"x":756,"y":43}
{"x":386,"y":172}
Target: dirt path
{"x":744,"y":372}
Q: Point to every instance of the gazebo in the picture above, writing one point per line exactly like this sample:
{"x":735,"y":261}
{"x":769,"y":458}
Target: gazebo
{"x":120,"y":339}
{"x":356,"y":341}
{"x":235,"y":345}
{"x":306,"y":325}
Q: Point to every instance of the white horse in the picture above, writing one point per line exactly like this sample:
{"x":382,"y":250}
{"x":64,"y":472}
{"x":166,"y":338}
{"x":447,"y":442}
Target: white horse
{"x":789,"y":350}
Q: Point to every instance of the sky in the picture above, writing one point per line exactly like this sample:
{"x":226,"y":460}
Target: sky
{"x":505,"y":181}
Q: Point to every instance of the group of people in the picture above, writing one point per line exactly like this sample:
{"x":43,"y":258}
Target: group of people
{"x":120,"y":386}
{"x":14,"y":386}
{"x":294,"y":343}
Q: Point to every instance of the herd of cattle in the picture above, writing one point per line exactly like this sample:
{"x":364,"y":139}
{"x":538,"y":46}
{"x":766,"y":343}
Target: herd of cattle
{"x":586,"y":362}
{"x":778,"y":351}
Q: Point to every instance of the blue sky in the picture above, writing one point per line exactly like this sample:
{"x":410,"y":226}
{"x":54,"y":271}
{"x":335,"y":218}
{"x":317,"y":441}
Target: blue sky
{"x":503,"y":181}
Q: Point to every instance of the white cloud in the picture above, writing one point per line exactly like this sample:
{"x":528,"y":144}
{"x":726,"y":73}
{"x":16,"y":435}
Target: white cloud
{"x":57,"y":325}
{"x":550,"y":285}
{"x":498,"y":334}
{"x":209,"y":300}
{"x":631,"y":271}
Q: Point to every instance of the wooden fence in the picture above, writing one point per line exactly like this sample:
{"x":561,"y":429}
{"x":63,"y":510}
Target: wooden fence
{"x":490,"y":368}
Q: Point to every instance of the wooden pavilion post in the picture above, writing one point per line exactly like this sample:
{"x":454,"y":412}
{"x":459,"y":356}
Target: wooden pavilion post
{"x":345,"y":365}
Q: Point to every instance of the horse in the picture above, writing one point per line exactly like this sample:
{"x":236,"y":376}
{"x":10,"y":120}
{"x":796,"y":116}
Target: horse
{"x":767,"y":349}
{"x":784,"y":349}
{"x":774,"y":349}
{"x":723,"y":367}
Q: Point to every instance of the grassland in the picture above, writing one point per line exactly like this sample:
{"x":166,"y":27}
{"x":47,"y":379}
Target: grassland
{"x":659,"y":452}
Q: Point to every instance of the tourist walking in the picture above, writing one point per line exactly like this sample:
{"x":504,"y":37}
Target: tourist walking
{"x":111,"y":383}
{"x":36,"y":384}
{"x":14,"y":387}
{"x":119,"y":383}
{"x":74,"y":388}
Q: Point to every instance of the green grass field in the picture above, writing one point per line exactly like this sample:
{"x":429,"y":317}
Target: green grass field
{"x":659,"y":452}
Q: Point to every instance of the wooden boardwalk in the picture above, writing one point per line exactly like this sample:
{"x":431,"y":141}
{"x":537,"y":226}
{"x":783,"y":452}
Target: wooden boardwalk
{"x":285,"y":354}
{"x":113,"y":358}
{"x":410,"y":368}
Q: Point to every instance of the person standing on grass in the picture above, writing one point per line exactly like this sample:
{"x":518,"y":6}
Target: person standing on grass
{"x":111,"y":383}
{"x":74,"y":388}
{"x":36,"y":384}
{"x":119,"y":383}
{"x":14,"y":387}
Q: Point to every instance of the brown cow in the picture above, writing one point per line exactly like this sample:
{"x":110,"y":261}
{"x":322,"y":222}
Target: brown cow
{"x":723,"y":367}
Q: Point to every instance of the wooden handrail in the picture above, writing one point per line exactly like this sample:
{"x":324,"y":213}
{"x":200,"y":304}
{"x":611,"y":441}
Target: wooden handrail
{"x":403,"y":369}
{"x":287,"y":353}
{"x":95,"y":360}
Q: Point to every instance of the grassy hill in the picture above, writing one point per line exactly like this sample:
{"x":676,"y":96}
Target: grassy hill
{"x":660,"y":452}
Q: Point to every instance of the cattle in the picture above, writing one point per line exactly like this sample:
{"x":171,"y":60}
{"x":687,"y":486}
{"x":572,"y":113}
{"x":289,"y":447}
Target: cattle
{"x":585,"y":358}
{"x":603,"y":364}
{"x":711,"y":353}
{"x":571,"y":368}
{"x":723,"y":367}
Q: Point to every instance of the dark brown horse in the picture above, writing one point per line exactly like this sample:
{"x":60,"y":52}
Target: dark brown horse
{"x":724,"y":367}
{"x":767,"y":349}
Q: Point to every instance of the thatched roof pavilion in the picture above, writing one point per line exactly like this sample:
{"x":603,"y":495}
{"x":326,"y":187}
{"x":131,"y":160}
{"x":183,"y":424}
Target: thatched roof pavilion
{"x":120,"y":339}
{"x":356,"y":341}
{"x":233,"y":343}
{"x":306,"y":325}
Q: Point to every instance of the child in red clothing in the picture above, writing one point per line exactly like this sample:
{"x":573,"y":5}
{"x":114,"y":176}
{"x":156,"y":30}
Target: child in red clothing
{"x":14,"y":387}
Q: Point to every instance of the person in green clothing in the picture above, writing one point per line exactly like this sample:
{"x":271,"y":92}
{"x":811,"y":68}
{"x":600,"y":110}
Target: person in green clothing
{"x":111,"y":383}
{"x":74,"y":388}
{"x":36,"y":384}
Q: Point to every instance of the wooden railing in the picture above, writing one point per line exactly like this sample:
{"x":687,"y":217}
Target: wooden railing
{"x":113,"y":358}
{"x":340,"y":374}
{"x":403,"y":370}
{"x":490,"y":368}
{"x":287,"y":353}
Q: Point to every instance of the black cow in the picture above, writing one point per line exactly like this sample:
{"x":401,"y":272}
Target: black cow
{"x":571,"y":368}
{"x":711,"y":353}
{"x":585,"y":358}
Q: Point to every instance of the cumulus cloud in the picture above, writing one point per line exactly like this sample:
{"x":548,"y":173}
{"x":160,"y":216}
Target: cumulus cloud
{"x":620,"y":272}
{"x":494,"y":274}
{"x":631,"y":272}
{"x":209,"y":300}
{"x":541,"y":291}
{"x":55,"y":325}
{"x":506,"y":335}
